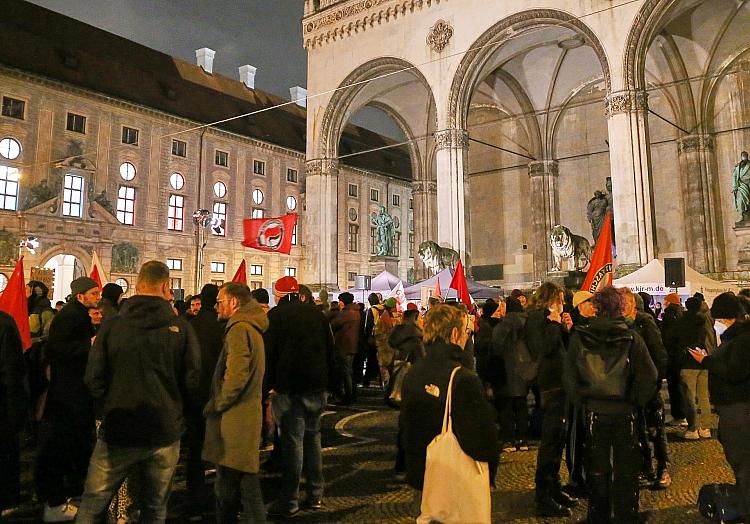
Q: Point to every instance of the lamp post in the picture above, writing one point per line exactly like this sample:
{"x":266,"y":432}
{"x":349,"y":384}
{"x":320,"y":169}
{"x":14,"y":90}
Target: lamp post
{"x":201,"y":220}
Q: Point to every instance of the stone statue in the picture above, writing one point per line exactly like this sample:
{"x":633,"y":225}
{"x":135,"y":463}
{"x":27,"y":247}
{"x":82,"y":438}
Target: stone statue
{"x":610,"y":207}
{"x":596,"y":210}
{"x":38,"y":194}
{"x":124,"y":258}
{"x":384,"y":232}
{"x":566,"y":245}
{"x":437,"y":258}
{"x":741,"y":188}
{"x":104,"y":201}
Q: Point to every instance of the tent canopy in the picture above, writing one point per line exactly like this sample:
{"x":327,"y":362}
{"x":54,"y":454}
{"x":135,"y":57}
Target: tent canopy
{"x":650,"y":278}
{"x":476,"y":290}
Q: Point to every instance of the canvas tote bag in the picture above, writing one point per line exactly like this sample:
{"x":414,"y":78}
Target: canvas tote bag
{"x":456,"y":487}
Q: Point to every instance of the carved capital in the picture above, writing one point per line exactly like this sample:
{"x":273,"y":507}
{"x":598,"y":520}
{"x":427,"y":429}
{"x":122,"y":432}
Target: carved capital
{"x":625,"y":102}
{"x":439,"y":35}
{"x":692,"y":143}
{"x":544,"y":168}
{"x":424,"y":186}
{"x":322,"y":166}
{"x":452,"y":138}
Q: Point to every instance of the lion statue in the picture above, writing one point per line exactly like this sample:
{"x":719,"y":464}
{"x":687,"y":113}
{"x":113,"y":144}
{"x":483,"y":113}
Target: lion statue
{"x":566,"y":245}
{"x":437,"y":258}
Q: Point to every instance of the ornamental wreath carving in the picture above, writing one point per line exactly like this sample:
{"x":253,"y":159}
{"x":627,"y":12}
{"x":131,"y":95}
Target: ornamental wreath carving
{"x":124,"y":258}
{"x":439,"y":35}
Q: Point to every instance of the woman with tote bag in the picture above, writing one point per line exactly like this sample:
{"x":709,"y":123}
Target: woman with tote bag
{"x":443,"y":398}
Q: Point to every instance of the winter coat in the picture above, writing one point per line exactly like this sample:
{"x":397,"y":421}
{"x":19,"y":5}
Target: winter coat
{"x":109,"y":309}
{"x":234,"y":413}
{"x":68,"y":347}
{"x":544,"y":339}
{"x":612,"y":336}
{"x":691,"y":330}
{"x":300,"y":348}
{"x":144,"y":368}
{"x":729,"y":366}
{"x":670,"y":333}
{"x":406,"y":339}
{"x":345,"y":326}
{"x":421,"y":418}
{"x":489,"y":367}
{"x":210,"y":332}
{"x":13,"y":407}
{"x":509,"y":343}
{"x":645,"y":325}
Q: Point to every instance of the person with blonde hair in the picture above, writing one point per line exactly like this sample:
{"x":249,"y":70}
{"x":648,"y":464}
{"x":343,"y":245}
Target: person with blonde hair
{"x":424,"y":394}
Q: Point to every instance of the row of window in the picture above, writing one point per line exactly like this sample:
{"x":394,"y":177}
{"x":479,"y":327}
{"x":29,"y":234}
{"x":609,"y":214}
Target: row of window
{"x":375,"y":196}
{"x":175,"y":264}
{"x":353,"y":241}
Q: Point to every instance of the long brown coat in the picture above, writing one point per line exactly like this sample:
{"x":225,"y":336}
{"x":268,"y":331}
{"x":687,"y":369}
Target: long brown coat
{"x":233,"y":413}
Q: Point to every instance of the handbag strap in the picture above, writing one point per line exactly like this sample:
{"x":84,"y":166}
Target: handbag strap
{"x":447,"y":418}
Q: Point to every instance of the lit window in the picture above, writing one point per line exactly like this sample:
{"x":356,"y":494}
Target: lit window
{"x":290,"y":271}
{"x":10,"y":148}
{"x":256,"y":284}
{"x":72,"y":196}
{"x":220,"y":189}
{"x":76,"y":123}
{"x":179,"y":148}
{"x":177,"y":181}
{"x":221,"y":158}
{"x":8,"y":188}
{"x":292,"y":175}
{"x":129,"y":136}
{"x":127,"y":171}
{"x":217,"y":267}
{"x":219,"y":219}
{"x":294,"y":235}
{"x":13,"y":108}
{"x":256,"y":269}
{"x":175,"y":283}
{"x":396,"y":200}
{"x":174,"y":264}
{"x":257,"y":197}
{"x":354,"y":190}
{"x":353,"y":238}
{"x":176,"y":213}
{"x":257,"y":213}
{"x":374,"y":195}
{"x":291,"y":203}
{"x":259,"y":167}
{"x":126,"y":205}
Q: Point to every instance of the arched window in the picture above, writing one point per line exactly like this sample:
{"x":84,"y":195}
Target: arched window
{"x":257,"y":197}
{"x":177,"y":181}
{"x":220,"y":189}
{"x":10,"y":148}
{"x":127,"y":171}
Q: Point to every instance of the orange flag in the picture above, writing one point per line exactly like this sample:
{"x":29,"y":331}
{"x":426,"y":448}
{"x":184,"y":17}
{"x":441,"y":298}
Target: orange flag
{"x":437,"y":290}
{"x":458,"y":282}
{"x":599,"y":274}
{"x":13,"y":301}
{"x":97,"y":272}
{"x":241,"y":275}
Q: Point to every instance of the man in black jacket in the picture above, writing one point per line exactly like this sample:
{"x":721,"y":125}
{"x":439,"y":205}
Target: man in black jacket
{"x":609,"y":372}
{"x":144,"y":368}
{"x":299,"y":355}
{"x":67,"y":432}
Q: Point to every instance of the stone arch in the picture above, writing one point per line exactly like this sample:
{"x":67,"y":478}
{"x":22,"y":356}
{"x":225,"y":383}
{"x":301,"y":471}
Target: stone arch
{"x":639,"y":40}
{"x":468,"y":71}
{"x":416,"y":162}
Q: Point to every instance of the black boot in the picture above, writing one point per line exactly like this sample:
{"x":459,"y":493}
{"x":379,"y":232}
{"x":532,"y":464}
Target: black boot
{"x":546,"y":506}
{"x":564,"y":499}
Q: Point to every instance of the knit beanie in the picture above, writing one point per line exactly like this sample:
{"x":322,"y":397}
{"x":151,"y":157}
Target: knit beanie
{"x":81,"y":285}
{"x":672,"y":298}
{"x":726,"y":305}
{"x":513,"y":305}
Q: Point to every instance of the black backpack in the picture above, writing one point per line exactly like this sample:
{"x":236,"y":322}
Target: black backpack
{"x":606,"y":373}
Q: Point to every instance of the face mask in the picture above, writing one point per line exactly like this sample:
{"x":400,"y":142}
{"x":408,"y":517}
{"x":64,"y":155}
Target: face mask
{"x":719,"y":327}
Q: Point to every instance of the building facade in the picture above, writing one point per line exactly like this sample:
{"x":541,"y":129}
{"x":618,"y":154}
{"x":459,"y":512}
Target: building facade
{"x":517,"y":112}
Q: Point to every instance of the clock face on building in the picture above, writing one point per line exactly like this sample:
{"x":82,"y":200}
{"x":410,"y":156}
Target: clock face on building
{"x":3,"y":281}
{"x":123,"y":284}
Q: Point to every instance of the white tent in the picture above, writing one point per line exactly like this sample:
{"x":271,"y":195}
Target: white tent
{"x":650,"y":278}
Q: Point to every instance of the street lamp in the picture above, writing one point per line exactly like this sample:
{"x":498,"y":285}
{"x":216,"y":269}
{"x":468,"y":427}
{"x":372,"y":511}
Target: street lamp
{"x":201,"y":220}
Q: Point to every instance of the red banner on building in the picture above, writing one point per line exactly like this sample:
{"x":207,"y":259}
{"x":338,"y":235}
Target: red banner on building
{"x":270,"y":234}
{"x":600,"y":267}
{"x":13,"y":302}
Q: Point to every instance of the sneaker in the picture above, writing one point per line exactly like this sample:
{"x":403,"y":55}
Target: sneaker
{"x":704,"y":433}
{"x":63,"y":513}
{"x":548,"y":507}
{"x":663,"y":481}
{"x":682,"y":422}
{"x":691,"y":435}
{"x":508,"y":447}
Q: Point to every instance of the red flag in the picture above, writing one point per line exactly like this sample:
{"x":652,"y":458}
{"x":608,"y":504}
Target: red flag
{"x":458,"y":282}
{"x":97,"y":272}
{"x":270,"y":234}
{"x":600,"y":267}
{"x":241,"y":275}
{"x":437,"y":290}
{"x":13,"y":301}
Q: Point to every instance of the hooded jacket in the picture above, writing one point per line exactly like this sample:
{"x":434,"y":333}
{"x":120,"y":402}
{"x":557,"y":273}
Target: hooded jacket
{"x":233,"y":413}
{"x":406,"y":339}
{"x":508,"y":342}
{"x":144,"y":367}
{"x":610,"y":336}
{"x":645,"y":325}
{"x":729,"y":366}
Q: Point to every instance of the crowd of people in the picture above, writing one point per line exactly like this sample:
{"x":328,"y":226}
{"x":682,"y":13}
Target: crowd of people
{"x":113,"y":389}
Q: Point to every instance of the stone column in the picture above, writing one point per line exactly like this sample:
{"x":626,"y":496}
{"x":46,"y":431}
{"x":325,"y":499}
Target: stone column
{"x":630,"y":161}
{"x":424,"y":193}
{"x":545,"y":212}
{"x":696,"y":155}
{"x":451,"y":148}
{"x":321,"y":224}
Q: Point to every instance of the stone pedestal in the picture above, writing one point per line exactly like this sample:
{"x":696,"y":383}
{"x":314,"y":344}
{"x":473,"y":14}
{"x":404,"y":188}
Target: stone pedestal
{"x":567,"y":279}
{"x":379,"y":263}
{"x":742,"y":231}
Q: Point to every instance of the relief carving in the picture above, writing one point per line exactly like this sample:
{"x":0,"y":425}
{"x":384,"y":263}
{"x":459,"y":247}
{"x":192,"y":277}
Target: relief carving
{"x":439,"y":35}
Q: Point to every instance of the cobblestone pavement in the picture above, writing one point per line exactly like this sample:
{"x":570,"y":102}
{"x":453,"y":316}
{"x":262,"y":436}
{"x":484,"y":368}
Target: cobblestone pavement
{"x":360,"y":485}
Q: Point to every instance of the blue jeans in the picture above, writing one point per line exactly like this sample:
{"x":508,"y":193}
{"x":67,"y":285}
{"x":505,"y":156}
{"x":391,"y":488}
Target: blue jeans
{"x":110,"y":465}
{"x":233,"y":487}
{"x":298,"y":416}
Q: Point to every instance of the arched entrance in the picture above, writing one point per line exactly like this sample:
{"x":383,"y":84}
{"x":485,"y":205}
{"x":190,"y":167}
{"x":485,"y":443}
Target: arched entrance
{"x":67,"y":268}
